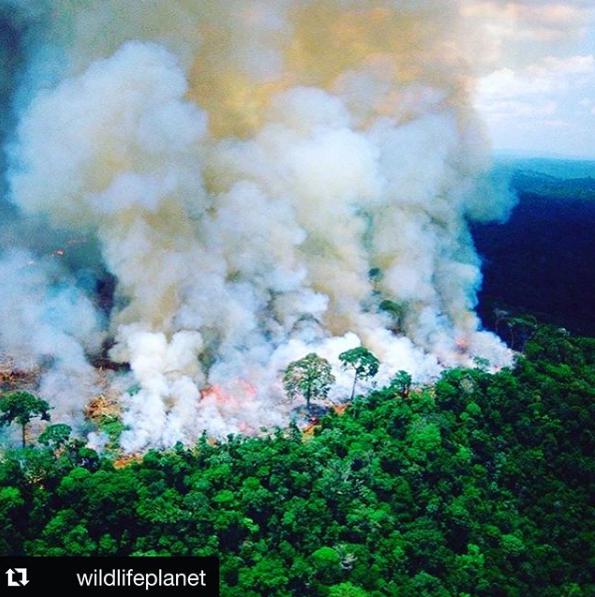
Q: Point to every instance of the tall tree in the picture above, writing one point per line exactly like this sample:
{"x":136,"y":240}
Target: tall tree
{"x":362,"y":361}
{"x":21,"y":407}
{"x":401,"y":382}
{"x":310,"y":377}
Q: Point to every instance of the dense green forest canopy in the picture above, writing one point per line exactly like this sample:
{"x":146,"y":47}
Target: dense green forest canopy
{"x":540,"y":261}
{"x":478,"y":485}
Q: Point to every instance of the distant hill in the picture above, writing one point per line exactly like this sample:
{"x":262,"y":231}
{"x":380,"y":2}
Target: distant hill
{"x":564,"y":169}
{"x":542,"y":260}
{"x":542,"y":185}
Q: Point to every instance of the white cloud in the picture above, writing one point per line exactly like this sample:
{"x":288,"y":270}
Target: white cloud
{"x":536,"y":90}
{"x":543,"y":106}
{"x":554,"y":67}
{"x":557,"y":123}
{"x":539,"y":20}
{"x":506,"y":83}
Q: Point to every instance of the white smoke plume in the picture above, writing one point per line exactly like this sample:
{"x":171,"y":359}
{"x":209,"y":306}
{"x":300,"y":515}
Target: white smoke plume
{"x":261,"y":178}
{"x":48,"y":323}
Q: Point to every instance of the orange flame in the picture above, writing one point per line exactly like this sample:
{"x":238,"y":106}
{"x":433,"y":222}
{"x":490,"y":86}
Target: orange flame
{"x":462,"y":345}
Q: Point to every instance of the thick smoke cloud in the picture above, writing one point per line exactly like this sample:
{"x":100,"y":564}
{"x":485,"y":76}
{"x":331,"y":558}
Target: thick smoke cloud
{"x":48,"y":323}
{"x":260,"y":178}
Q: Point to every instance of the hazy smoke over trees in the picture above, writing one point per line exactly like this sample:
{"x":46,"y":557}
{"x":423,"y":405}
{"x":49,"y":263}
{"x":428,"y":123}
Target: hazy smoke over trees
{"x":262,"y":179}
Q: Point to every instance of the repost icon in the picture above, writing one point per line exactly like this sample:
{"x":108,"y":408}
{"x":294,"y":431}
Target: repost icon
{"x":17,"y":577}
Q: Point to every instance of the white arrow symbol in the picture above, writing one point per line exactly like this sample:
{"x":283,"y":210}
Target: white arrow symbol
{"x":23,"y":581}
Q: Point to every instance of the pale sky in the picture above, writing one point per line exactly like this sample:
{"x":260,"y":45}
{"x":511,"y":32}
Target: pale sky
{"x":536,"y":75}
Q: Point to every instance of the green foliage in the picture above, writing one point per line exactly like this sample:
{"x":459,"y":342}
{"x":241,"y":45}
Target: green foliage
{"x":401,"y":383}
{"x":479,"y":485}
{"x":326,"y":557}
{"x":113,"y":427}
{"x":395,"y":310}
{"x":362,"y":361}
{"x":310,"y":378}
{"x":55,"y":436}
{"x":20,"y":407}
{"x":11,"y":505}
{"x":346,"y":589}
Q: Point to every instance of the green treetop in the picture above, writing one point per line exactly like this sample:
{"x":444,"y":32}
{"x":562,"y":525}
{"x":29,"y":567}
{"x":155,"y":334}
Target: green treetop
{"x":362,"y":361}
{"x":21,"y":407}
{"x":401,"y":382}
{"x":310,"y":377}
{"x":55,"y":436}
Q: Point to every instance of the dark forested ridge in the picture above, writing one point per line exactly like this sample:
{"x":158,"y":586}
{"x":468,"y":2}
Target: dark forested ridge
{"x":477,"y":485}
{"x":542,"y":260}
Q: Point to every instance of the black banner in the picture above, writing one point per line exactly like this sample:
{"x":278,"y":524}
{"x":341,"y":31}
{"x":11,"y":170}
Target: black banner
{"x":84,"y":576}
